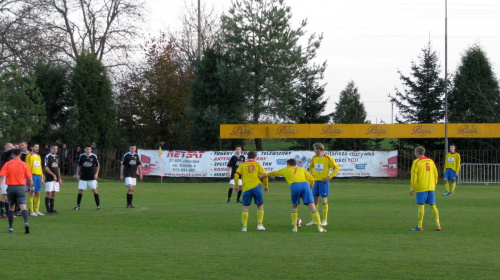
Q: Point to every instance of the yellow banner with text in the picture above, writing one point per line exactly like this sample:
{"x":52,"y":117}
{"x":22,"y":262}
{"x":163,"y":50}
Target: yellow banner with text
{"x":455,"y":130}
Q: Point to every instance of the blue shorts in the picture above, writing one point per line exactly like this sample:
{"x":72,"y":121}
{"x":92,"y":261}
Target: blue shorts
{"x":450,"y":174}
{"x":428,"y":197}
{"x":37,"y":183}
{"x":303,"y":190}
{"x":256,"y":194}
{"x":321,"y":188}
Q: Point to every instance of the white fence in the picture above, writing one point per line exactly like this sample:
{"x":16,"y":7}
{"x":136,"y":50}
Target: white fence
{"x":479,"y":173}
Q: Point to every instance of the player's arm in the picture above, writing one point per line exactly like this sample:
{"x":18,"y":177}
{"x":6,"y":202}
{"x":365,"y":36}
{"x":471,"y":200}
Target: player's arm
{"x":435,"y":174}
{"x":59,"y":174}
{"x":334,"y":166}
{"x":139,"y":167}
{"x":458,"y":162}
{"x":265,"y":180}
{"x":237,"y":176}
{"x":229,"y":167}
{"x":47,"y":169}
{"x":413,"y":178}
{"x":122,"y":166}
{"x":96,"y":175}
{"x":311,"y":166}
{"x":309,"y":178}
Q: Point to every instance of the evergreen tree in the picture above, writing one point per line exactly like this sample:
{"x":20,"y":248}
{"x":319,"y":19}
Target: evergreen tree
{"x":263,"y":48}
{"x":94,"y":116}
{"x":216,"y":100}
{"x":475,"y":97}
{"x":52,"y":82}
{"x":21,"y":105}
{"x":350,"y":110}
{"x":422,"y":99}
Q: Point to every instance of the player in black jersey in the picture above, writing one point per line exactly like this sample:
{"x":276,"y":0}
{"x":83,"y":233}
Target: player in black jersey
{"x":53,"y":178}
{"x":128,"y":171}
{"x":87,"y":172}
{"x":232,"y":165}
{"x":5,"y":157}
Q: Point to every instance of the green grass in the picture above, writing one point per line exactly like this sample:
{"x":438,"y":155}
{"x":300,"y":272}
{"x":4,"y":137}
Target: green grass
{"x":187,"y":231}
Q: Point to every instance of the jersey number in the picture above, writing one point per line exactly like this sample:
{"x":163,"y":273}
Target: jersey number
{"x":427,"y":167}
{"x":250,"y":169}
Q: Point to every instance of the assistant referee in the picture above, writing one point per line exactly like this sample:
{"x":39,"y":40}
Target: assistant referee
{"x":16,"y":173}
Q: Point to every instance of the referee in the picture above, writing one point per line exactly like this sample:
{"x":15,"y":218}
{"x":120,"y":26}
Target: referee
{"x":16,"y":173}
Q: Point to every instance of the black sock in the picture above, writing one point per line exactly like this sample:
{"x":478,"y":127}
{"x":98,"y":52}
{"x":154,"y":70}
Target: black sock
{"x":128,"y":199}
{"x":229,"y":193}
{"x":97,"y":201}
{"x":25,"y":215}
{"x":47,"y":204}
{"x":11,"y":218}
{"x":131,"y":198}
{"x":239,"y":196}
{"x":79,"y":199}
{"x":2,"y":205}
{"x":51,"y":205}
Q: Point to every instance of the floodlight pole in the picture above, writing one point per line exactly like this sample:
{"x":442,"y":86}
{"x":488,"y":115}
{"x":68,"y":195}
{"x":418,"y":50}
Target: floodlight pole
{"x":446,"y":78}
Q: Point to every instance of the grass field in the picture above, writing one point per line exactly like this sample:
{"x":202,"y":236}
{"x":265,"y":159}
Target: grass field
{"x":187,"y":231}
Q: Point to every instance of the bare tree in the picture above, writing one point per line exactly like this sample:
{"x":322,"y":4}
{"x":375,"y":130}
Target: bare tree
{"x":64,"y":29}
{"x":187,"y":37}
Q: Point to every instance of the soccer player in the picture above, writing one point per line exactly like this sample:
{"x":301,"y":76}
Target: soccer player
{"x":424,"y":177}
{"x":232,"y":165}
{"x":249,"y":171}
{"x":53,"y":179}
{"x":88,"y":164}
{"x":451,"y":169}
{"x":301,"y":183}
{"x":6,"y":157}
{"x":34,"y":162}
{"x":128,"y":171}
{"x":320,"y":167}
{"x":16,"y":173}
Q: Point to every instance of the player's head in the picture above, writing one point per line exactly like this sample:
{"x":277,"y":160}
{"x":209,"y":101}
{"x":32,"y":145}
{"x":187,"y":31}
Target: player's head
{"x":318,"y":148}
{"x":54,"y":148}
{"x":35,"y":148}
{"x":238,"y":149}
{"x":133,"y":148}
{"x":291,"y":162}
{"x":16,"y":153}
{"x":88,"y":149}
{"x":23,"y":146}
{"x":252,"y":155}
{"x":16,"y":146}
{"x":453,"y":148}
{"x":8,"y":146}
{"x":419,"y":151}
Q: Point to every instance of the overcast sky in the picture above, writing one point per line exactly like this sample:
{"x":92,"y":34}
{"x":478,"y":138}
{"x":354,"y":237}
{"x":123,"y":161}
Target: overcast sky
{"x":368,"y":41}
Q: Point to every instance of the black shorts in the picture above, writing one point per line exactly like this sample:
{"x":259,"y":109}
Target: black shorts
{"x":16,"y":194}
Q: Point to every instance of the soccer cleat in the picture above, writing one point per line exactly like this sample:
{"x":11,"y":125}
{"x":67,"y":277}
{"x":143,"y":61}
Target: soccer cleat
{"x":324,"y":223}
{"x":26,"y":229}
{"x":131,"y":206}
{"x":446,"y":193}
{"x":76,"y":208}
{"x":294,"y":229}
{"x":261,"y":228}
{"x":311,"y":223}
{"x":229,"y":200}
{"x":98,"y":208}
{"x":438,"y":228}
{"x":417,"y":229}
{"x":238,"y":201}
{"x":40,"y":214}
{"x":450,"y":193}
{"x":244,"y":229}
{"x":54,"y":212}
{"x":10,"y":229}
{"x":321,"y":229}
{"x":33,"y":214}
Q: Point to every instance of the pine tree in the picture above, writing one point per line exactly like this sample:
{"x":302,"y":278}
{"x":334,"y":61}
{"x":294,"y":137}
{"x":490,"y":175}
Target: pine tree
{"x":422,"y":99}
{"x":350,"y":110}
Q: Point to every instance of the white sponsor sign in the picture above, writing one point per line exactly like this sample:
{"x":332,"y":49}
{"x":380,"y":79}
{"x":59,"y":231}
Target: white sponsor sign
{"x":214,"y":163}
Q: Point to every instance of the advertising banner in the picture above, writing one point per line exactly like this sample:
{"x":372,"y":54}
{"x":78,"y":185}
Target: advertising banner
{"x":213,"y":164}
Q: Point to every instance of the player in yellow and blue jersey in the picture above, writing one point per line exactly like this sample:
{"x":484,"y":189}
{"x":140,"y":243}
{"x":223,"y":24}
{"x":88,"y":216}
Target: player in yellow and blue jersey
{"x":249,"y":172}
{"x":300,"y":187}
{"x":320,"y":167}
{"x":424,"y":177}
{"x":34,"y":162}
{"x":451,"y":169}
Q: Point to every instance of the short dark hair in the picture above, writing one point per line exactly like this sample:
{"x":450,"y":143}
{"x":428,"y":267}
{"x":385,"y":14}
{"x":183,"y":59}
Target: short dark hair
{"x":420,"y":150}
{"x":252,"y":155}
{"x":16,"y":152}
{"x":53,"y":145}
{"x":33,"y":145}
{"x":291,"y":161}
{"x":237,"y":146}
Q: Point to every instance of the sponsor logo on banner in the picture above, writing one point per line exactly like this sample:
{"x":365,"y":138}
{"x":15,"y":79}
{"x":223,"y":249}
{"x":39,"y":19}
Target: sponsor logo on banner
{"x":287,"y":131}
{"x":281,"y":161}
{"x":242,"y":131}
{"x":361,"y":166}
{"x":377,"y":130}
{"x":423,"y":130}
{"x":332,"y":130}
{"x":184,"y":154}
{"x":469,"y":130}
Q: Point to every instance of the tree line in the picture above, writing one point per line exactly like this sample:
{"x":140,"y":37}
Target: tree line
{"x":69,"y":74}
